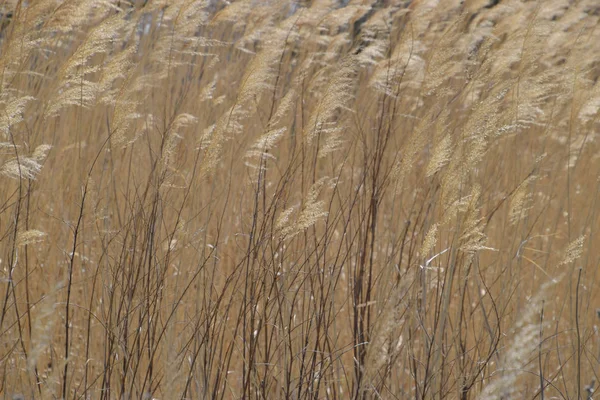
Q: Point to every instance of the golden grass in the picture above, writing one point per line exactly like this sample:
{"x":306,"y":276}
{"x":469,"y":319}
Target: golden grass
{"x":299,"y":199}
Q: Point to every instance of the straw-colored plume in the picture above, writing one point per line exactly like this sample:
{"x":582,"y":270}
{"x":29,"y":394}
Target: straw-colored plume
{"x":257,"y":78}
{"x":180,"y":22}
{"x":442,"y":64}
{"x":336,"y":95}
{"x":405,"y":68}
{"x":473,"y":238}
{"x":589,"y":110}
{"x":75,"y":86}
{"x":69,"y":17}
{"x":441,"y":155}
{"x":429,"y":241}
{"x":174,"y":136}
{"x":15,"y":51}
{"x":312,"y":211}
{"x":30,"y":237}
{"x":265,"y":143}
{"x":12,"y":113}
{"x":285,"y":106}
{"x":116,"y":69}
{"x":214,"y":138}
{"x":414,"y":144}
{"x":208,"y":91}
{"x":24,"y":167}
{"x":260,"y":72}
{"x":574,"y":250}
{"x":520,"y":202}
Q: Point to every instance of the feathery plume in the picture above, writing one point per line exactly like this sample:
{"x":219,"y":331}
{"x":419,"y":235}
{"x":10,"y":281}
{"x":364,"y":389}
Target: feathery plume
{"x":265,"y":143}
{"x":520,"y":202}
{"x":574,"y":250}
{"x":75,"y":86}
{"x":30,"y":237}
{"x":429,"y":241}
{"x":312,"y":211}
{"x":336,"y":95}
{"x":255,"y":81}
{"x":440,"y":157}
{"x":12,"y":113}
{"x":473,"y":238}
{"x":26,"y":167}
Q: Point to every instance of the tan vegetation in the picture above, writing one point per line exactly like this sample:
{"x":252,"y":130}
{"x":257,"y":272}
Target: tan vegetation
{"x":299,"y":199}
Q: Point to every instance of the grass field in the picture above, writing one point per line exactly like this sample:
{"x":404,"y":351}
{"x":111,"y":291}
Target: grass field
{"x":276,"y":199}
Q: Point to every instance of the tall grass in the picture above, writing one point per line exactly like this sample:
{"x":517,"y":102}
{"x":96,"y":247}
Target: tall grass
{"x":299,"y":199}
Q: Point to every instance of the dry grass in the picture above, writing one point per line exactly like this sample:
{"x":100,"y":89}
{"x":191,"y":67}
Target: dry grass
{"x":299,"y":199}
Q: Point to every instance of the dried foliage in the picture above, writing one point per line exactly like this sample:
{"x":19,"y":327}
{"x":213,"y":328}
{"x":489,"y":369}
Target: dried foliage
{"x":367,"y":199}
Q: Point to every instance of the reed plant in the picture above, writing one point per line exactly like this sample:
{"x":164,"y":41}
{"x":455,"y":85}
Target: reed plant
{"x":299,"y":199}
